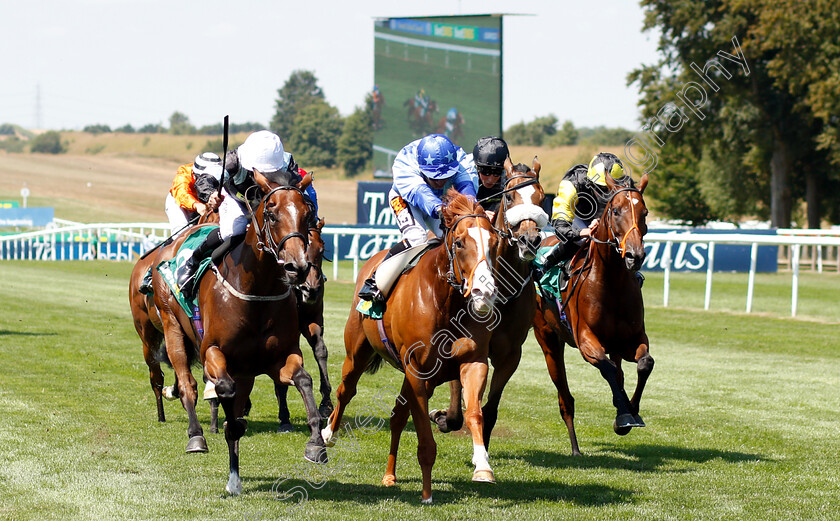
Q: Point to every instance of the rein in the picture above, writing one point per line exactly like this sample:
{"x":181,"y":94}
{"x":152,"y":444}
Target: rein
{"x":466,"y":282}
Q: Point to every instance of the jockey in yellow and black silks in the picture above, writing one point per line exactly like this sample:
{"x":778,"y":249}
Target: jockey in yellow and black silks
{"x":581,"y":198}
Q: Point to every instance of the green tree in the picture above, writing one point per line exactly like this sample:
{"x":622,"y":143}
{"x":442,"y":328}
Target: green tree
{"x":152,"y":128}
{"x":566,"y":136}
{"x":97,"y":129}
{"x":533,"y":133}
{"x":179,"y":124}
{"x":127,"y":129}
{"x":355,"y":146}
{"x":750,"y":87}
{"x":7,"y":129}
{"x":314,"y":135}
{"x":47,"y":143}
{"x":299,"y":91}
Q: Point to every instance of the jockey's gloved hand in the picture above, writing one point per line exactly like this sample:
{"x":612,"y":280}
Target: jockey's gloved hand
{"x":438,"y":213}
{"x":232,"y":162}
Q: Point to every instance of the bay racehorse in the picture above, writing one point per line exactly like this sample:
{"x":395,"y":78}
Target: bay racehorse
{"x":246,"y":305}
{"x":604,"y":308}
{"x":419,"y":119}
{"x":519,"y":219}
{"x":435,"y":329}
{"x":147,"y":323}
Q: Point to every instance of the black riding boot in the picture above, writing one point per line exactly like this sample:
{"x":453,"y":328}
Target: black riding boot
{"x":369,"y":290}
{"x":185,"y":275}
{"x":564,"y":251}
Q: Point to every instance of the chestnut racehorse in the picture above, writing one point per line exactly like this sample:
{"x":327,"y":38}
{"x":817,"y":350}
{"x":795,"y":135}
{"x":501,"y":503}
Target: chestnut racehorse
{"x":520,"y":218}
{"x":247,"y":305}
{"x":435,"y":329}
{"x":603,"y":303}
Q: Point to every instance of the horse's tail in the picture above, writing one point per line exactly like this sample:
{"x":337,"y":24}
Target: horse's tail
{"x":192,"y":354}
{"x":374,"y":364}
{"x":161,"y":355}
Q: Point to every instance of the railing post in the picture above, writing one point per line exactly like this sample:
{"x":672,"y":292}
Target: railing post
{"x":794,"y":295}
{"x":666,"y":290}
{"x":709,"y":269}
{"x":751,"y":283}
{"x":335,"y":256}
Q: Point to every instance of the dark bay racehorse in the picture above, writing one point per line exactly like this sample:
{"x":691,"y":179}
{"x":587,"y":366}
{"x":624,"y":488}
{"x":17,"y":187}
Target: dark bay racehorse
{"x":520,"y":219}
{"x":419,"y":120}
{"x":603,"y":303}
{"x":435,"y":329}
{"x":247,"y":306}
{"x":310,"y":302}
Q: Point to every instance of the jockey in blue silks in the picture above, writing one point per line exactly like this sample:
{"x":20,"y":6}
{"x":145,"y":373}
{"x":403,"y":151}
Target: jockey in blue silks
{"x":423,"y":171}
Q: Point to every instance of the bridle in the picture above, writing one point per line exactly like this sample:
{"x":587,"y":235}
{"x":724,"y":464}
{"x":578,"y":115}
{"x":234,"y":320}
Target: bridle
{"x":265,"y":240}
{"x":507,"y":233}
{"x":619,"y":245}
{"x":464,"y":285}
{"x":318,"y":271}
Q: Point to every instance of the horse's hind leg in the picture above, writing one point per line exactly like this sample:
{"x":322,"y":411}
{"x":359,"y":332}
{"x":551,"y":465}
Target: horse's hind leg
{"x":155,"y":379}
{"x":359,"y":354}
{"x":235,"y":426}
{"x":283,"y":417}
{"x":293,"y":371}
{"x":187,"y":388}
{"x":451,"y":419}
{"x":399,"y":417}
{"x":553,"y":348}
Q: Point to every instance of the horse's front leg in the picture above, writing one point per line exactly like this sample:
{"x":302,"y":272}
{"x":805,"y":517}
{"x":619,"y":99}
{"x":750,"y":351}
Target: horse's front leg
{"x":506,"y":359}
{"x":474,"y":379}
{"x":293,"y":371}
{"x":451,"y":419}
{"x":235,"y":426}
{"x":283,"y":417}
{"x":314,"y":334}
{"x":593,"y":352}
{"x":187,"y":386}
{"x":643,"y":368}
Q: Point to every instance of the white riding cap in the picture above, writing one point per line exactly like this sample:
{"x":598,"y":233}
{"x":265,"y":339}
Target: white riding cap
{"x":204,"y":161}
{"x":262,"y":151}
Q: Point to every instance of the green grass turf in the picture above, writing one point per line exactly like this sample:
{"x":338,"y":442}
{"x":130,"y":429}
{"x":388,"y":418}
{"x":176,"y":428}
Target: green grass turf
{"x":741,"y":412}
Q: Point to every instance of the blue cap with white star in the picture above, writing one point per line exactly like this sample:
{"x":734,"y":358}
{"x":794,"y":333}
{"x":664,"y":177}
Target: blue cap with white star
{"x":437,"y":157}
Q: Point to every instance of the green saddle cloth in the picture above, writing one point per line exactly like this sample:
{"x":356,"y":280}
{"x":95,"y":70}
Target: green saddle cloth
{"x":168,"y":268}
{"x":551,"y":278}
{"x":374,"y":310}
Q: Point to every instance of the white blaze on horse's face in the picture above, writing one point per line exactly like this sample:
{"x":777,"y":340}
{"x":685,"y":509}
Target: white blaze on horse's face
{"x":527,"y":209}
{"x":482,"y":287}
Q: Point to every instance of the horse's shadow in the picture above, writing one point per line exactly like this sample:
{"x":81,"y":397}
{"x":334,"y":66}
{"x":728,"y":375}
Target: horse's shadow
{"x":511,"y":492}
{"x":5,"y":332}
{"x":639,"y":458}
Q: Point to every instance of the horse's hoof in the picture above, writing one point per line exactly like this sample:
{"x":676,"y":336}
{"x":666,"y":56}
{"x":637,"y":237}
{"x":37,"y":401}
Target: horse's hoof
{"x":638,"y":420}
{"x":197,"y":444}
{"x":484,"y":476}
{"x":285,"y":427}
{"x":439,"y":419}
{"x":325,"y":409}
{"x":315,"y":453}
{"x":426,"y":501}
{"x":169,"y":393}
{"x":389,"y":480}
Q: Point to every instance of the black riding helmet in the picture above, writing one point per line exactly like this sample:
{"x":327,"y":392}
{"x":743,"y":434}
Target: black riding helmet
{"x":490,"y":152}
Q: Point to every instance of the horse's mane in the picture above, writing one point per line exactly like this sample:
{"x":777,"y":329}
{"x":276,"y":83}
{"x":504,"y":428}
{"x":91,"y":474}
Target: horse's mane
{"x":522,"y":168}
{"x":457,"y":205}
{"x":283,"y":177}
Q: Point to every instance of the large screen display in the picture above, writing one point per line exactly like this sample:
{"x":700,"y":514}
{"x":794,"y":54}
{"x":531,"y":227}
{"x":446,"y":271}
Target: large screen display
{"x":435,"y":75}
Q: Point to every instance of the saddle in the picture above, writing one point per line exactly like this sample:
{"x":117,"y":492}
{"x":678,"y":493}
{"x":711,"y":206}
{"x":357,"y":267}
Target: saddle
{"x":388,"y":273}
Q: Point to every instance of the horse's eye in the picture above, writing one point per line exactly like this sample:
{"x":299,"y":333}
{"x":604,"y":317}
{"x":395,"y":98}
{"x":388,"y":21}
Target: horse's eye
{"x":509,"y":197}
{"x":271,"y":217}
{"x":458,"y":243}
{"x":616,"y":211}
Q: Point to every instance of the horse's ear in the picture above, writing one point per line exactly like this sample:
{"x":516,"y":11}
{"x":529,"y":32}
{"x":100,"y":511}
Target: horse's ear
{"x":262,"y":181}
{"x":535,"y":166}
{"x":611,"y":184}
{"x":643,"y":183}
{"x":508,"y":166}
{"x":320,"y":224}
{"x":306,"y":181}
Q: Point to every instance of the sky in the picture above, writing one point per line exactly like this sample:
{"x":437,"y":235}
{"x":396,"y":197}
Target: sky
{"x":71,"y":63}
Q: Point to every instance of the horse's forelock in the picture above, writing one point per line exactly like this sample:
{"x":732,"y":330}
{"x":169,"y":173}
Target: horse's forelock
{"x":283,"y":178}
{"x":457,"y":205}
{"x":521,"y":168}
